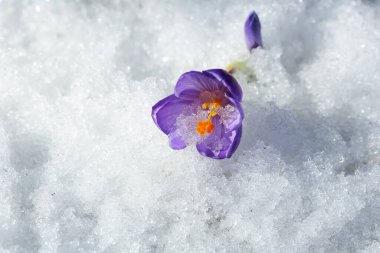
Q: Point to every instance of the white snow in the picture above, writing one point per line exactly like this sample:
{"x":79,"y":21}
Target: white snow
{"x":83,"y":168}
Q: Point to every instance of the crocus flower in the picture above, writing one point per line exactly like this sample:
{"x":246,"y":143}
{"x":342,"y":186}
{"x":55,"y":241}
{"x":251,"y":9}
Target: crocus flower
{"x":204,"y":109}
{"x":252,"y":31}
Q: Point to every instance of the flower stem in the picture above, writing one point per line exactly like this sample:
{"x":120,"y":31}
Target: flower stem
{"x":241,"y":66}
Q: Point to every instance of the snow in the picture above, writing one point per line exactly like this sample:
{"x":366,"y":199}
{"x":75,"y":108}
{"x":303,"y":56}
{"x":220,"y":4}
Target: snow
{"x":83,"y":168}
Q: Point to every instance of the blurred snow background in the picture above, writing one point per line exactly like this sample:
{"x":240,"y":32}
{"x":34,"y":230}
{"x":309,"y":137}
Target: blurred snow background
{"x":84,"y":169}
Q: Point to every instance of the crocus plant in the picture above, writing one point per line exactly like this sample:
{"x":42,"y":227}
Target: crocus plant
{"x":205,"y":108}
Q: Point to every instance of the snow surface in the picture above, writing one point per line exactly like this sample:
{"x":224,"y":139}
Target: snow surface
{"x":83,"y":168}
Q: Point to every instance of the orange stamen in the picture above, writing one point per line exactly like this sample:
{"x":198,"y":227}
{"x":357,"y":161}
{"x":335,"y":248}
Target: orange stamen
{"x":204,"y":127}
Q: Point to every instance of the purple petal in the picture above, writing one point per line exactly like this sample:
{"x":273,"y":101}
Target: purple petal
{"x":191,"y":84}
{"x":228,"y":81}
{"x":175,"y":142}
{"x":166,"y":112}
{"x":239,"y":114}
{"x":252,"y":31}
{"x":220,"y":144}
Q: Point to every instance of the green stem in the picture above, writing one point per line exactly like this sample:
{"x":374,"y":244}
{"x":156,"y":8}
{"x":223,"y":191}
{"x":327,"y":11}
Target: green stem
{"x":241,"y":66}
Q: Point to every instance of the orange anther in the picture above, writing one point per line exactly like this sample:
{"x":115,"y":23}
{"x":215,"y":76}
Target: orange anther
{"x":210,"y":128}
{"x":213,"y":107}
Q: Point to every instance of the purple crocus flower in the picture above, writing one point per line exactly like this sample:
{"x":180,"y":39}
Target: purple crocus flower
{"x":252,"y":31}
{"x":204,"y":109}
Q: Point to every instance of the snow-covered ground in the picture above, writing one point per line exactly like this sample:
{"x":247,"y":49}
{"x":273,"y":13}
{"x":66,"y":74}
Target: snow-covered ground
{"x":83,"y":168}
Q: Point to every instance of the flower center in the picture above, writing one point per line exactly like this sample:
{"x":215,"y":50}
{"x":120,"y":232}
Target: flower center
{"x":206,"y":126}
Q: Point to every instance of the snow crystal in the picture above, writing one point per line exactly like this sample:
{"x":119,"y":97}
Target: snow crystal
{"x":187,"y":122}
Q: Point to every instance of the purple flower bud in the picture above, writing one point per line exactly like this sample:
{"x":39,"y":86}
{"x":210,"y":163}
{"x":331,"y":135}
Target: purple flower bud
{"x":252,"y":31}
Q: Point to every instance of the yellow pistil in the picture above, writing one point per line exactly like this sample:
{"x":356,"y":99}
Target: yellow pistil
{"x":206,"y":126}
